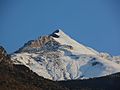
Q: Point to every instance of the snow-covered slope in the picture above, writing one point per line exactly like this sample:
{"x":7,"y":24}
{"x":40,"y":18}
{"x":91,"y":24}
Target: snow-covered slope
{"x":58,"y":57}
{"x":107,"y":56}
{"x":66,"y":40}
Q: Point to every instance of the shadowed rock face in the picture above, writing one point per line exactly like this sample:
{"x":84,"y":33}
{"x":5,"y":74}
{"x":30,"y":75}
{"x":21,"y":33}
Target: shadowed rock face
{"x":57,"y":31}
{"x":54,"y":34}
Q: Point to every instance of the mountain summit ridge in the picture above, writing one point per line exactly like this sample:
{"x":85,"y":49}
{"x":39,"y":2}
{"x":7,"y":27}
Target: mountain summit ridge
{"x":60,"y":37}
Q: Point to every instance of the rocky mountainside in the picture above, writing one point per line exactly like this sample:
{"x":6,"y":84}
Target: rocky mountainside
{"x":20,"y":77}
{"x":59,"y":57}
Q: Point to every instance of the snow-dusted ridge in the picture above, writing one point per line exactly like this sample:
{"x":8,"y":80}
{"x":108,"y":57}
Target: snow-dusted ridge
{"x":59,"y":57}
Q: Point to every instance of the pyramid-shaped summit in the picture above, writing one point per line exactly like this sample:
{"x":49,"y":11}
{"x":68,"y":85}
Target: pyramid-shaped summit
{"x":64,"y":39}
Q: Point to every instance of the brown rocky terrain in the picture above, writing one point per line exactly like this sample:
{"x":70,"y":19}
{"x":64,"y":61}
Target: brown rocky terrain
{"x":40,"y":41}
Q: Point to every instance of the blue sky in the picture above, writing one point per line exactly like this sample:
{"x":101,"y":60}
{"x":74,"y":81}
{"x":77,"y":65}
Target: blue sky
{"x":95,"y":23}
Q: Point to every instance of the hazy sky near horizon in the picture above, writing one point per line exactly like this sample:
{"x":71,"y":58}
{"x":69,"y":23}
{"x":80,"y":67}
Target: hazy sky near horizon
{"x":95,"y":23}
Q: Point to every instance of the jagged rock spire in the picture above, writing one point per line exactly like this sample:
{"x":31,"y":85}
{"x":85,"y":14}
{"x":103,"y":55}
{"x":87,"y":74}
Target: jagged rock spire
{"x":3,"y":53}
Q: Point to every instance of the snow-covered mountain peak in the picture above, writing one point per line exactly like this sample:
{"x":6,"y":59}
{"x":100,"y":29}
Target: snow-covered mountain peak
{"x":58,"y":57}
{"x":59,"y":34}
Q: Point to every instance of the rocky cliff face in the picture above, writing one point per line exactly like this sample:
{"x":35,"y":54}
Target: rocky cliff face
{"x":36,"y":44}
{"x":3,"y":53}
{"x":4,"y":57}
